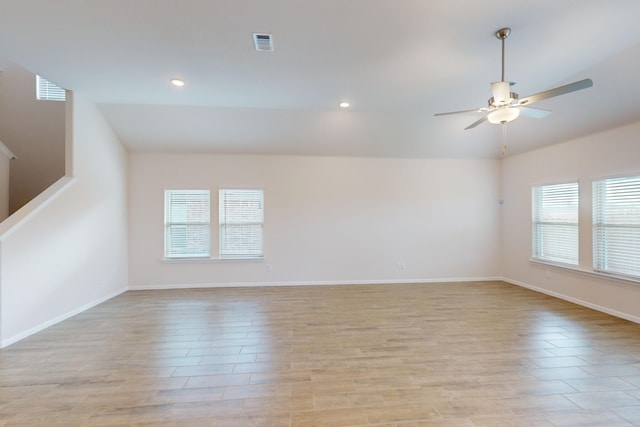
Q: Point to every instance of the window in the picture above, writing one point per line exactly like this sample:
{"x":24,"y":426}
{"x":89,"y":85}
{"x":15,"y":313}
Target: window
{"x":187,"y":224}
{"x":616,"y":226}
{"x":241,"y":222}
{"x":49,"y":91}
{"x":555,"y":223}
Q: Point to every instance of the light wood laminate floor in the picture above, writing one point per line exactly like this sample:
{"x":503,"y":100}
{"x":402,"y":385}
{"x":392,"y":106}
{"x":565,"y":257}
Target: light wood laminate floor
{"x":451,"y":354}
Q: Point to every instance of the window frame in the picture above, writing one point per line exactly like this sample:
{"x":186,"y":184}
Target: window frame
{"x":539,"y":242}
{"x":48,"y":91}
{"x":171,"y":251}
{"x":253,"y":224}
{"x":600,"y":228}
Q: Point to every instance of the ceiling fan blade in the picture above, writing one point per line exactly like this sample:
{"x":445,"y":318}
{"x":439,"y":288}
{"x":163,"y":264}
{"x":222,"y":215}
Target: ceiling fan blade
{"x":561,"y":90}
{"x":477,"y":122}
{"x":475,"y":110}
{"x":536,"y":113}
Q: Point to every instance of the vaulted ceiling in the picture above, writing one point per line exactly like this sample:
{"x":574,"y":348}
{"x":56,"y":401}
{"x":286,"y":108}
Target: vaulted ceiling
{"x":396,"y":61}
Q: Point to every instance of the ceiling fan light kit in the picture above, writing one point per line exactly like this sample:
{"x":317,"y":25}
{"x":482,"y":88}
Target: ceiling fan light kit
{"x":505,"y":106}
{"x":503,"y":115}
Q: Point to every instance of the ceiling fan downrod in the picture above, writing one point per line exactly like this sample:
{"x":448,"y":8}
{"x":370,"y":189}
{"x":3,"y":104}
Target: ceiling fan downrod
{"x":502,"y":97}
{"x":502,"y":34}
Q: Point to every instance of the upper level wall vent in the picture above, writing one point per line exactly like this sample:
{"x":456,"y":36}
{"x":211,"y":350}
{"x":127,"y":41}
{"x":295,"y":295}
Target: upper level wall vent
{"x":263,"y":42}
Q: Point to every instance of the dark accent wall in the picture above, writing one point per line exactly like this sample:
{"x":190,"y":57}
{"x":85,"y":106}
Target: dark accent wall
{"x":34,"y":130}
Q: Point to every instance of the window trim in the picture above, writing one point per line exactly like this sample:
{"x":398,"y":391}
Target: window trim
{"x":49,"y":91}
{"x":168,"y":224}
{"x":535,"y":222}
{"x":240,"y":257}
{"x":586,"y":272}
{"x":594,"y":209}
{"x":584,"y":269}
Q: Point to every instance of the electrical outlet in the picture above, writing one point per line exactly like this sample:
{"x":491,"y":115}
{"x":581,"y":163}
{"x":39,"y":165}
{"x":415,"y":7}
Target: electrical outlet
{"x":268,"y":268}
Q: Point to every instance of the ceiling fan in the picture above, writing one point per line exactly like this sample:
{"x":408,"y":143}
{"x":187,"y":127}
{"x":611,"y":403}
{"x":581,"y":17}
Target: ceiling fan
{"x":505,"y":106}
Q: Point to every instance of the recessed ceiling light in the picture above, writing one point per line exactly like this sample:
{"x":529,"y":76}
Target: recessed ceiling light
{"x":177,"y":82}
{"x":344,"y":104}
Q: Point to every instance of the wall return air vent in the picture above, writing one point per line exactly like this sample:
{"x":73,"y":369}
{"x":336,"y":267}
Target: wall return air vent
{"x":263,"y":42}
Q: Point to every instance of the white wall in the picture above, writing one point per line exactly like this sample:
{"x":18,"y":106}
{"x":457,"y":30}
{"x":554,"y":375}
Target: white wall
{"x":66,"y":250}
{"x":611,"y":153}
{"x":328,"y":220}
{"x":34,"y":130}
{"x":6,"y":156}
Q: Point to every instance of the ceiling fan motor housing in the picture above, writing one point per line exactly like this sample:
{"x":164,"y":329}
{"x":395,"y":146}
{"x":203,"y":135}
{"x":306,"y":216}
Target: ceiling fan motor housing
{"x":502,"y":95}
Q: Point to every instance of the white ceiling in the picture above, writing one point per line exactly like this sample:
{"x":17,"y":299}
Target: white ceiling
{"x":397,"y":61}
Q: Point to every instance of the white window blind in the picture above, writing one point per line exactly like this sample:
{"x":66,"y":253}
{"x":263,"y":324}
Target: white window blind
{"x":241,"y":223}
{"x":187,"y":223}
{"x":616,"y":226}
{"x":555,"y":223}
{"x":45,"y":90}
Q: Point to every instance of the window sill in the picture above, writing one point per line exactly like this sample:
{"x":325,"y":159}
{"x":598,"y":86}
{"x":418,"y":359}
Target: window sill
{"x":555,"y":264}
{"x":209,"y":260}
{"x":591,"y":273}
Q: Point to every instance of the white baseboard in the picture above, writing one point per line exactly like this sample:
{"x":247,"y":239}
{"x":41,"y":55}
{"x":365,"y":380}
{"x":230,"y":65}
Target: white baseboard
{"x":45,"y":325}
{"x":583,"y":303}
{"x":312,"y":283}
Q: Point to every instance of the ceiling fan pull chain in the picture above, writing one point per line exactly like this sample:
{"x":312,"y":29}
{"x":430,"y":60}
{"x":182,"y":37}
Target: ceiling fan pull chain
{"x":504,"y":138}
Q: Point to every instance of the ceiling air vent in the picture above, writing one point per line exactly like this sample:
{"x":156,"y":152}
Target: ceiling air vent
{"x":263,"y":42}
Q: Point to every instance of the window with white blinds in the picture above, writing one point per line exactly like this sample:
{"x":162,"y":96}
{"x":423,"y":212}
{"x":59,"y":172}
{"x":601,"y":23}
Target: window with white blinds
{"x":616,"y":226}
{"x":241,"y":223}
{"x":555,"y":223}
{"x":187,"y":223}
{"x":45,"y":90}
